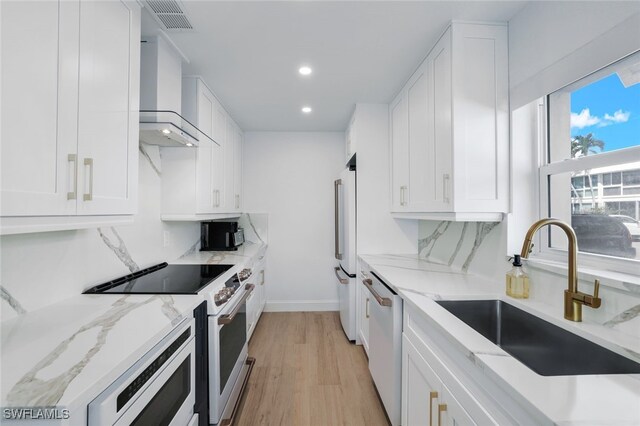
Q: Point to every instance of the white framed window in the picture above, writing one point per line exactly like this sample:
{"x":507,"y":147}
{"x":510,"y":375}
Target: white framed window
{"x":590,"y":173}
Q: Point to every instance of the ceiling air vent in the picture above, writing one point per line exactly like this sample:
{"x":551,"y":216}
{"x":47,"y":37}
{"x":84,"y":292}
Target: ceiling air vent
{"x":170,"y":15}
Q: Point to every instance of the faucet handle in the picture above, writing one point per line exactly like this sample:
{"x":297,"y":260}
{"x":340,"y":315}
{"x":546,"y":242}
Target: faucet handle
{"x":593,"y":301}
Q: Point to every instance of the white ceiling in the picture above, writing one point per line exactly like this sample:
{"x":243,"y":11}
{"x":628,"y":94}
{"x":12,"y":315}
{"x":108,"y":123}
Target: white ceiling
{"x":360,"y":51}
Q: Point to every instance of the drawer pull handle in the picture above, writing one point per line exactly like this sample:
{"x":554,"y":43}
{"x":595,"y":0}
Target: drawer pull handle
{"x":73,"y":159}
{"x":441,"y":409}
{"x":89,"y":195}
{"x":432,"y":395}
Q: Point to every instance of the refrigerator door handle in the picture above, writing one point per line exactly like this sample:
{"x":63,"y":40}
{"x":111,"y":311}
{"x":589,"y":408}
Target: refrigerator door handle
{"x":340,"y":279}
{"x":336,"y":191}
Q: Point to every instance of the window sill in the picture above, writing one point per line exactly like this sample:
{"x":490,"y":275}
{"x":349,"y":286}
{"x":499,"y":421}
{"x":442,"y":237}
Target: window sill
{"x":612,"y":279}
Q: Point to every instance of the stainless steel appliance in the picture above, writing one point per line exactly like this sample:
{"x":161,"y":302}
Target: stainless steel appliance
{"x":223,"y":236}
{"x":158,"y":389}
{"x":345,"y":249}
{"x":385,"y":344}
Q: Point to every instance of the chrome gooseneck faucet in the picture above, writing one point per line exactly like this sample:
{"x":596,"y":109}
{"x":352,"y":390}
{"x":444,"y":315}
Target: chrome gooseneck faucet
{"x":573,"y":299}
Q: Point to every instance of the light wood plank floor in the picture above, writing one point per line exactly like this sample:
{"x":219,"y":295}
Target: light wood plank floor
{"x":307,"y":373}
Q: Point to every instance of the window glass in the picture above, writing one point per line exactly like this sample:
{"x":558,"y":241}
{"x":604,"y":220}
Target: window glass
{"x":601,"y":199}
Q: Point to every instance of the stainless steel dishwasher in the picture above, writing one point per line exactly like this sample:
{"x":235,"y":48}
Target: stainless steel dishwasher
{"x":385,"y":344}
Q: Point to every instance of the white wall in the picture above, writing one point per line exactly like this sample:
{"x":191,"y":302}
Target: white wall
{"x":43,"y":268}
{"x":290,"y":177}
{"x":552,"y":44}
{"x":378,"y":232}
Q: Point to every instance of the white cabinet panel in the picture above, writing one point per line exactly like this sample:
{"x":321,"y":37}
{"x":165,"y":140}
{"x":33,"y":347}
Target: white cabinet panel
{"x":39,"y":104}
{"x":439,"y":63}
{"x":421,"y":182}
{"x":421,"y":388}
{"x":399,"y":122}
{"x":237,"y":169}
{"x":204,"y":166}
{"x":364,"y":303}
{"x":219,"y":173}
{"x":108,"y":107}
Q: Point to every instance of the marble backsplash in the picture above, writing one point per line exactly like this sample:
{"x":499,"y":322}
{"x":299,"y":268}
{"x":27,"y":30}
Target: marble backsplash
{"x":476,"y":247}
{"x":41,"y":269}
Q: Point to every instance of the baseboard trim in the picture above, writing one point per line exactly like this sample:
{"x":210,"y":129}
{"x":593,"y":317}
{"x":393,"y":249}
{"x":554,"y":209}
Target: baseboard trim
{"x":301,"y":305}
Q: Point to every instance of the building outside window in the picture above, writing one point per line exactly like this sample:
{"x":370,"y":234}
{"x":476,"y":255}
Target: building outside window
{"x":591,"y":176}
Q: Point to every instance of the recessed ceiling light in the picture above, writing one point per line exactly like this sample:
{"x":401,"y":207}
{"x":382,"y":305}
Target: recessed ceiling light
{"x":305,"y":70}
{"x":166,"y":131}
{"x":306,"y":109}
{"x":189,"y":144}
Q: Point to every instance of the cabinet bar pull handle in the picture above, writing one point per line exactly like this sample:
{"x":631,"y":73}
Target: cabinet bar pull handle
{"x":89,"y":195}
{"x":432,"y":395}
{"x":367,"y":308}
{"x":262,"y":277}
{"x":445,"y":188}
{"x":441,"y":408}
{"x":382,"y":301}
{"x":73,"y":158}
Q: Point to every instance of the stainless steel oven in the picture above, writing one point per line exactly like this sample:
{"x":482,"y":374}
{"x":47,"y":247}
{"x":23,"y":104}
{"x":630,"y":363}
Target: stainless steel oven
{"x":229,"y":366}
{"x":157,"y":390}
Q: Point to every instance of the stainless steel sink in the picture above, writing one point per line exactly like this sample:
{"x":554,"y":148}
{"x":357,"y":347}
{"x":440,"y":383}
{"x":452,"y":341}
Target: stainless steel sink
{"x":543,"y":347}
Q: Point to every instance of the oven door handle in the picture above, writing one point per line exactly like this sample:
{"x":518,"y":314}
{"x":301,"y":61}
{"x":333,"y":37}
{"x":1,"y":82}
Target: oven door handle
{"x":228,"y":318}
{"x":382,"y":301}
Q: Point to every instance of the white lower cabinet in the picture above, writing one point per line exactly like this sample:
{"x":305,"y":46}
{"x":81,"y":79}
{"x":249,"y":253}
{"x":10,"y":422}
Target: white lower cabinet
{"x":441,"y":385}
{"x":427,"y":401}
{"x":364,"y":301}
{"x":258,"y":298}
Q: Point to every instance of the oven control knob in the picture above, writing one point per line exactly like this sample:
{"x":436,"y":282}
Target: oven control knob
{"x":244,"y":274}
{"x":219,"y":298}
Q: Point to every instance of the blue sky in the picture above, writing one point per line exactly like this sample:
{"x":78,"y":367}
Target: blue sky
{"x":608,"y":110}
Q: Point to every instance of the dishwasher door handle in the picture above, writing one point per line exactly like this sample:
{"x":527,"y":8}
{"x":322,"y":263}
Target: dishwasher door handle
{"x":336,"y":270}
{"x":382,"y":301}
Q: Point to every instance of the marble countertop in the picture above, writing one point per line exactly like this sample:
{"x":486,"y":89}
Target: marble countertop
{"x":566,"y":400}
{"x":65,"y":354}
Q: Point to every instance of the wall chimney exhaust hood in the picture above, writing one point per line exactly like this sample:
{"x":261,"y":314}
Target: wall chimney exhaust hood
{"x":168,"y":128}
{"x":161,"y":122}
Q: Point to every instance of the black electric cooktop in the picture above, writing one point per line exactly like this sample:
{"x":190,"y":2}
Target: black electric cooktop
{"x":163,"y":279}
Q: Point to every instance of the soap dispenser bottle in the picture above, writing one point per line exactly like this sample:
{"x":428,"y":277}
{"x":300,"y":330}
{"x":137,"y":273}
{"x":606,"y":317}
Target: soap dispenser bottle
{"x":517,"y":280}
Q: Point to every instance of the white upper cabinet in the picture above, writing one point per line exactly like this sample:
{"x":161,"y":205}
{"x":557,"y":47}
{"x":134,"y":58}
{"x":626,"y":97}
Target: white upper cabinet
{"x":450,"y":129}
{"x":108,"y":107}
{"x":200,"y":183}
{"x":70,"y":72}
{"x":39,"y":79}
{"x":399,"y":134}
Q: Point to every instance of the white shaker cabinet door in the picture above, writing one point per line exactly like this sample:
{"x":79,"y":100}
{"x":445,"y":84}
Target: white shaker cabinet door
{"x":218,"y":159}
{"x":440,"y":123}
{"x":399,"y":149}
{"x":108,"y":107}
{"x":39,"y":98}
{"x":237,"y":169}
{"x":205,"y":196}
